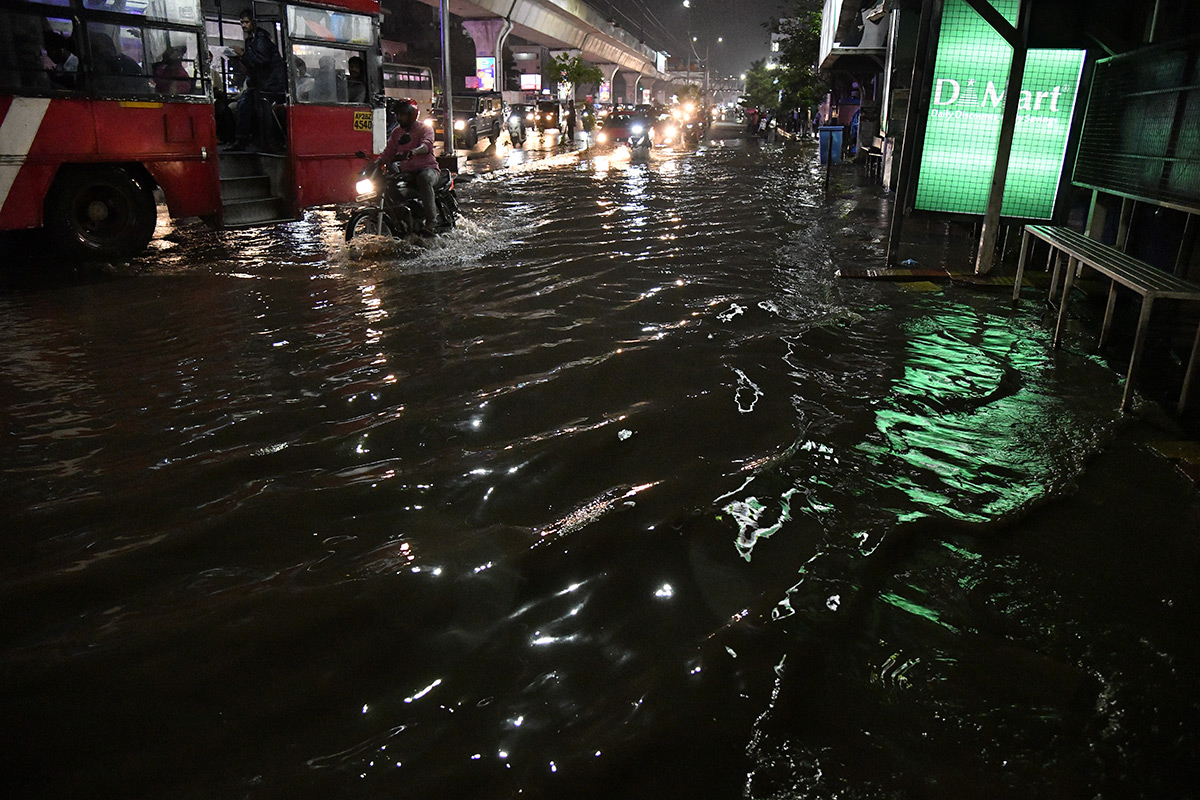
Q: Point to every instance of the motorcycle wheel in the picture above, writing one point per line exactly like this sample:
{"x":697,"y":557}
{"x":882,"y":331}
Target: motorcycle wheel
{"x":448,"y":209}
{"x":370,"y":222}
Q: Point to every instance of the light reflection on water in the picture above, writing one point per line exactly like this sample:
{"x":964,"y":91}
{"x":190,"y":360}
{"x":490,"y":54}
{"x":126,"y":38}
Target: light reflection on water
{"x":613,"y":488}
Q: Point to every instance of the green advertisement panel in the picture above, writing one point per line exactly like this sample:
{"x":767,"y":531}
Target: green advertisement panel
{"x":966,"y":106}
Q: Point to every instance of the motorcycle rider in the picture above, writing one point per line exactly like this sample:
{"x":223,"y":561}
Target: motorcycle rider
{"x":415,"y":155}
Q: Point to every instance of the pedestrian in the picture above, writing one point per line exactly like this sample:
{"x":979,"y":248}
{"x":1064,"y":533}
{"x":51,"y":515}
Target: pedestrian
{"x":266,"y":81}
{"x":571,"y":121}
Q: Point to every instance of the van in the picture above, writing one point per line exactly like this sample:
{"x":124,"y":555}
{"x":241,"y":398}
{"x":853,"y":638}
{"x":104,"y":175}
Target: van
{"x":477,"y":115}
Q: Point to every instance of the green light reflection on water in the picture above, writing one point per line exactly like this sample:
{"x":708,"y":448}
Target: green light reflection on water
{"x":961,"y":432}
{"x":916,"y":608}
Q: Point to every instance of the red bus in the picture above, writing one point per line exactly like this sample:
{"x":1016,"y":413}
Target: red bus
{"x":103,"y":102}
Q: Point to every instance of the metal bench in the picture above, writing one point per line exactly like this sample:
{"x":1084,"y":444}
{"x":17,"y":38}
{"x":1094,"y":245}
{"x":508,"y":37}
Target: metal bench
{"x":1148,"y":281}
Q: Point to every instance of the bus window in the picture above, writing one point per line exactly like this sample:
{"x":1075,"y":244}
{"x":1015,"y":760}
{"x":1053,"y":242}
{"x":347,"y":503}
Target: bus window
{"x":185,"y":12}
{"x":407,"y":81}
{"x":22,"y":64}
{"x":329,"y":26}
{"x":174,"y":66}
{"x":118,"y":60}
{"x":324,"y":74}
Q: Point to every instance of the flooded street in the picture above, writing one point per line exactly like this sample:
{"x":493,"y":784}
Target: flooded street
{"x":617,"y":490}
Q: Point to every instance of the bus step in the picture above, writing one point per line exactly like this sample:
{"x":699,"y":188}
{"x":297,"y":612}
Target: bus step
{"x":250,"y":187}
{"x":240,"y":165}
{"x":245,"y":213}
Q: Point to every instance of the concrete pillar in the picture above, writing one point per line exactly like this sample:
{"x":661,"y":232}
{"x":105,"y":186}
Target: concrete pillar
{"x":610,"y":75}
{"x":632,"y":79}
{"x":489,"y":36}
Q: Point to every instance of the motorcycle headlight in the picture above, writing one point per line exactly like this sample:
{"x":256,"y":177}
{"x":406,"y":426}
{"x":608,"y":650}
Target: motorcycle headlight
{"x":365,"y":186}
{"x":514,"y":119}
{"x":636,"y":130}
{"x":670,"y":131}
{"x":602,"y":137}
{"x":460,"y":125}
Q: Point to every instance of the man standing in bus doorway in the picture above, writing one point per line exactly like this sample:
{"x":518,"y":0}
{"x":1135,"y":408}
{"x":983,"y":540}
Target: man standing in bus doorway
{"x":266,"y":82}
{"x":415,"y":154}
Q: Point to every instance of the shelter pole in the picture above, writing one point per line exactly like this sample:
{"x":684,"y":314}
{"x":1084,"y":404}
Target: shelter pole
{"x":985,"y":257}
{"x":447,"y":82}
{"x":912,"y":123}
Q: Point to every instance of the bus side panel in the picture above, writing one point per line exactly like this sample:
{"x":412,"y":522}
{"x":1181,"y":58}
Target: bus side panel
{"x":191,"y":188}
{"x":177,"y":143}
{"x":36,"y":135}
{"x":323,"y":141}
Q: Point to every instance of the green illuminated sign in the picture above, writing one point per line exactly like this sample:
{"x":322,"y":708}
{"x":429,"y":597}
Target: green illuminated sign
{"x":967,"y":102}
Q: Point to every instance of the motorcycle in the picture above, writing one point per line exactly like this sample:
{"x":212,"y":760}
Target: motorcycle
{"x":394,"y":205}
{"x":516,"y":126}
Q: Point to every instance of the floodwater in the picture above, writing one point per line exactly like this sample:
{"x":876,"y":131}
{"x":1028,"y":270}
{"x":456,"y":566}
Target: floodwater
{"x":616,"y":491}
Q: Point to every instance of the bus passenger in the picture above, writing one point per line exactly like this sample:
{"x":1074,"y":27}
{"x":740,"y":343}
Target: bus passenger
{"x":324,"y":88}
{"x":266,"y":81}
{"x":356,"y":85}
{"x":304,"y":81}
{"x":170,"y":76}
{"x":66,"y":63}
{"x":113,"y":71}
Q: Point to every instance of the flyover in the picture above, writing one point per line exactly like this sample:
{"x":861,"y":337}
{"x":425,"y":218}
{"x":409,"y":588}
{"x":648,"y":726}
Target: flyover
{"x":559,"y":25}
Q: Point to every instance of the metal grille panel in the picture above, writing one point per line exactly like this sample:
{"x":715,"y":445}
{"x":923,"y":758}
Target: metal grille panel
{"x":1141,"y":132}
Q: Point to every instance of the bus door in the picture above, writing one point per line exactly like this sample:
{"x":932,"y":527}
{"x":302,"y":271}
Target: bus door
{"x":335,"y":103}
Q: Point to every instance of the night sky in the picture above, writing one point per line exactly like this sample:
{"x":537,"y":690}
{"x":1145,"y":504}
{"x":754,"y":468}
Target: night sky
{"x":664,"y":25}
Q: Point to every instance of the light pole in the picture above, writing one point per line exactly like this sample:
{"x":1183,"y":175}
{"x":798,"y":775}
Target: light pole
{"x":692,"y":40}
{"x":720,"y":39}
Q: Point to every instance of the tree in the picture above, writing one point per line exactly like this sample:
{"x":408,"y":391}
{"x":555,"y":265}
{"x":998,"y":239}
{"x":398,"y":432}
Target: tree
{"x":575,"y":71}
{"x":762,"y":87}
{"x":689,"y":93}
{"x":798,"y":84}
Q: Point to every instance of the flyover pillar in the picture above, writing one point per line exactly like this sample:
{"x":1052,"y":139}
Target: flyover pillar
{"x":489,"y":36}
{"x":610,"y":74}
{"x":632,"y":79}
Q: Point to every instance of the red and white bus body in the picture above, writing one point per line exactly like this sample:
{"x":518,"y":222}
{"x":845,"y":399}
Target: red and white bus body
{"x":51,"y":135}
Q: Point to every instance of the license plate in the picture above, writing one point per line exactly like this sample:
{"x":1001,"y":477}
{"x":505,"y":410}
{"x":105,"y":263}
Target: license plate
{"x":362,"y":120}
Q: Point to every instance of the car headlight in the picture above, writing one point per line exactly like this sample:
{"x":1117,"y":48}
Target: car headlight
{"x":460,"y":125}
{"x":530,"y":116}
{"x":365,"y":186}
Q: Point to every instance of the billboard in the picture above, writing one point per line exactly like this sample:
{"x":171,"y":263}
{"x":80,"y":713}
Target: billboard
{"x":962,"y":130}
{"x":485,"y":71}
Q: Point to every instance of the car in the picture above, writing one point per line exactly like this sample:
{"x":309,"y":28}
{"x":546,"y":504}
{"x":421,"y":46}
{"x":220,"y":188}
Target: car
{"x":547,"y":115}
{"x":477,"y":115}
{"x":622,"y":127}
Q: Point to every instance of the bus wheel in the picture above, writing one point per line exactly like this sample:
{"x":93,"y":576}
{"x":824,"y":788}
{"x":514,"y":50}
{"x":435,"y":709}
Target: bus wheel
{"x":369,"y":222}
{"x":100,"y":212}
